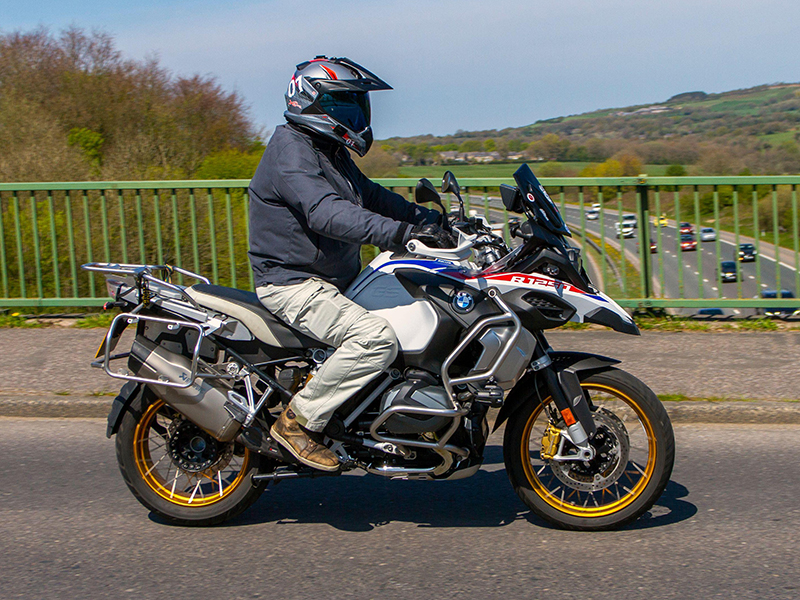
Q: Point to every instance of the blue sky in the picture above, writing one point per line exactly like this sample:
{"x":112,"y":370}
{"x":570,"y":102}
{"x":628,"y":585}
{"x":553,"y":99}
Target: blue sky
{"x":454,"y":64}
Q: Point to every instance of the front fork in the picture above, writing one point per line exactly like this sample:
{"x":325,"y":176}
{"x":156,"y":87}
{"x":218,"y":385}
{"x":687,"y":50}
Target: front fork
{"x":565,"y":389}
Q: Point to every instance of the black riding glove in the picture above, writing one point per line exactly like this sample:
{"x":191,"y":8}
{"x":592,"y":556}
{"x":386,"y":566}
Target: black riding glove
{"x":431,"y":235}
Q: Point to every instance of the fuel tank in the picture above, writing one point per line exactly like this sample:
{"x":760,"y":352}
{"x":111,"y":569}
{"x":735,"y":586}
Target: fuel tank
{"x":414,"y":320}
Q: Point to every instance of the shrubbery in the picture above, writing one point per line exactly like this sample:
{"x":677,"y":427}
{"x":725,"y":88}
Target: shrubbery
{"x":73,"y":108}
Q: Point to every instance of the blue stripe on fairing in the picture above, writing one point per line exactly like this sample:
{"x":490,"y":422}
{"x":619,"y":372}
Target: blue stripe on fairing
{"x":433,"y":265}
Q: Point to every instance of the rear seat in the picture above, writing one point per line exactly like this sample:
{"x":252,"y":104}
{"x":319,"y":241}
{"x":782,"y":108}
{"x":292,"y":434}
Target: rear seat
{"x":245,"y":307}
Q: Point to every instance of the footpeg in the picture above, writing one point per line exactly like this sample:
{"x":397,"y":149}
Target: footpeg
{"x":255,"y":439}
{"x":490,"y":394}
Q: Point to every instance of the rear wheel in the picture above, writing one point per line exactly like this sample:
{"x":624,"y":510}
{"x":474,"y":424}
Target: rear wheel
{"x":634,"y":453}
{"x":179,"y":471}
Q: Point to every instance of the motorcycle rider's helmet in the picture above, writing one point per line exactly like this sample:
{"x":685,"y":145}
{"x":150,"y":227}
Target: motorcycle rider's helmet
{"x":330,"y":97}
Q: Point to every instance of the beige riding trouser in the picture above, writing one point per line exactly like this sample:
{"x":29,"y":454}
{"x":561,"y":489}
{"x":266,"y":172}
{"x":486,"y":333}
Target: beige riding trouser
{"x":366,"y":344}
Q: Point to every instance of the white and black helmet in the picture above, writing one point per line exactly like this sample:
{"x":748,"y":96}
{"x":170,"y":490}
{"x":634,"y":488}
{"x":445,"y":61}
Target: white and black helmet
{"x":330,"y":97}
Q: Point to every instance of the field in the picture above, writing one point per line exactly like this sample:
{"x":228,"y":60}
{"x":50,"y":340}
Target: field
{"x":435,"y":172}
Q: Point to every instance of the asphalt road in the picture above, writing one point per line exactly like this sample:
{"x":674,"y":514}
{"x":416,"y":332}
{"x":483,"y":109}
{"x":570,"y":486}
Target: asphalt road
{"x":726,"y":527}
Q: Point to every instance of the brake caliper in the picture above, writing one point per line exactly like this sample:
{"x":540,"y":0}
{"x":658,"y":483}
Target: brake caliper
{"x":550,"y":441}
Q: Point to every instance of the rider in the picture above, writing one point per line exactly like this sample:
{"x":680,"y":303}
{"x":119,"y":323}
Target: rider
{"x":311,"y":209}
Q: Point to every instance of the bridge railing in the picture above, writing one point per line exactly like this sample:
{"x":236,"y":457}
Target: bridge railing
{"x":47,"y":230}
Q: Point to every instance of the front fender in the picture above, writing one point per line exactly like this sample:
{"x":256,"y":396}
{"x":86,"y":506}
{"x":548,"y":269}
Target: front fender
{"x":525,"y":390}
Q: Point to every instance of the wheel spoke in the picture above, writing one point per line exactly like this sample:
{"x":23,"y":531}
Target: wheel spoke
{"x":155,"y":464}
{"x":196,"y":488}
{"x":635,"y":466}
{"x":174,"y":483}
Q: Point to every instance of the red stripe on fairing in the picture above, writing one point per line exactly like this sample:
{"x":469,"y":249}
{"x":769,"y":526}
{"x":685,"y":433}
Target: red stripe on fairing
{"x":330,"y":72}
{"x":534,"y":280}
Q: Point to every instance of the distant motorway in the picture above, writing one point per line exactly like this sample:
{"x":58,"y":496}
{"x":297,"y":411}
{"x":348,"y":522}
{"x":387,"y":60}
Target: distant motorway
{"x":700,"y":265}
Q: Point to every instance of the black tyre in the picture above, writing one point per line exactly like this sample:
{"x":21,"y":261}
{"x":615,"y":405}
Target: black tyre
{"x":635,"y":451}
{"x":180,"y":472}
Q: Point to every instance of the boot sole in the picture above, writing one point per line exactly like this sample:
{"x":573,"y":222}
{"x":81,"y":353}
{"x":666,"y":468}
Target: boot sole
{"x":279,"y":438}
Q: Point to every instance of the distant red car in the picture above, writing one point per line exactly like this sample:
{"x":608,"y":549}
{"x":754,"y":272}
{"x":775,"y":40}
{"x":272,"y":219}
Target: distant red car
{"x":686,"y":227}
{"x":653,"y":247}
{"x":688,"y":243}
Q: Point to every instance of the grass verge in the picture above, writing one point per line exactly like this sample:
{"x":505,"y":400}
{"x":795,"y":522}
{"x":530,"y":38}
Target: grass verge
{"x":683,"y":398}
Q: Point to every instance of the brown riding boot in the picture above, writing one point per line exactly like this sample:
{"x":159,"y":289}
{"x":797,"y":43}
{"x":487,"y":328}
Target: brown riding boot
{"x":296,"y":440}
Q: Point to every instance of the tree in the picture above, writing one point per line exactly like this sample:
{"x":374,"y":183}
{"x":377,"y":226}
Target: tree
{"x":489,"y":145}
{"x":123,"y":119}
{"x":470,"y":146}
{"x":675,"y":171}
{"x":629,"y":163}
{"x":378,"y":163}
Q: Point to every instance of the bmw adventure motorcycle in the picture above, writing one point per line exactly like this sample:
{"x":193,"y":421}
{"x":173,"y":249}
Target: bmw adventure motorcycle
{"x":586,"y":445}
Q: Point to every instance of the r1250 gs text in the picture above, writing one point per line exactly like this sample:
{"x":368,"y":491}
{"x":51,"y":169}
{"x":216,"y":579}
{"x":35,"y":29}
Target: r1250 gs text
{"x":586,"y":445}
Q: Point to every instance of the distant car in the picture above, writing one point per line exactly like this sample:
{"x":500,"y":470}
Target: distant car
{"x":660,"y":221}
{"x":707,"y":234}
{"x":710,"y":312}
{"x":624,"y":230}
{"x":729,"y":271}
{"x":653,"y":246}
{"x":688,"y":243}
{"x":686,"y":227}
{"x":630,"y":219}
{"x":747,"y":252}
{"x":777,"y":312}
{"x":594,"y":212}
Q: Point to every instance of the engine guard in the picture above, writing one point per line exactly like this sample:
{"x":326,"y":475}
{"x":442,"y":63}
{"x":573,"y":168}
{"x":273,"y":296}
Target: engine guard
{"x":566,"y":365}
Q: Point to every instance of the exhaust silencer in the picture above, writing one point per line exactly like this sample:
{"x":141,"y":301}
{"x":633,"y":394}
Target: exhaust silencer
{"x":201,"y":403}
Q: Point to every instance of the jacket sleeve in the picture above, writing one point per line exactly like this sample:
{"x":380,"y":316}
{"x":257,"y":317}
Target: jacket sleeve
{"x":385,"y":202}
{"x":301,"y":183}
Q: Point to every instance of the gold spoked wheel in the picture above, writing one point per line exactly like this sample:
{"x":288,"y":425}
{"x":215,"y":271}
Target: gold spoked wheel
{"x":623,"y":464}
{"x":634,"y":452}
{"x":183,"y":464}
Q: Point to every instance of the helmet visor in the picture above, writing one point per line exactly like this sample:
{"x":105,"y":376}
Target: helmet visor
{"x":351,"y":109}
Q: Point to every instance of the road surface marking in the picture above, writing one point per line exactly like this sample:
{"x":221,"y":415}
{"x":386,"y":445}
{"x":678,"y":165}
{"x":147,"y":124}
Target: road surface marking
{"x":713,"y":288}
{"x":705,"y":280}
{"x":737,"y":311}
{"x":750,"y":277}
{"x":763,"y":285}
{"x":696,"y":272}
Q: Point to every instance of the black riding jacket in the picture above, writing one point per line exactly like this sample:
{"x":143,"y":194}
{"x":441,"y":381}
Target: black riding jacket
{"x":311,"y":209}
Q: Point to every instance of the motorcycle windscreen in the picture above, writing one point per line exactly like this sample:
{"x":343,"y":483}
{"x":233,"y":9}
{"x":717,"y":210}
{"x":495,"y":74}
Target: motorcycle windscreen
{"x":540,"y":204}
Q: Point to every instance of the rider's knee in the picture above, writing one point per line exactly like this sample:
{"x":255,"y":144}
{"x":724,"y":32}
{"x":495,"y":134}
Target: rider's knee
{"x":376,"y":334}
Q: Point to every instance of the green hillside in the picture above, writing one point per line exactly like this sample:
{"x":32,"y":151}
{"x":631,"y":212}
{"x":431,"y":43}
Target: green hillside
{"x":753,"y":130}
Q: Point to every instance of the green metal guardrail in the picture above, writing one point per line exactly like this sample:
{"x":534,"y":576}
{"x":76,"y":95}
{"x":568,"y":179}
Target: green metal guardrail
{"x":48,"y":229}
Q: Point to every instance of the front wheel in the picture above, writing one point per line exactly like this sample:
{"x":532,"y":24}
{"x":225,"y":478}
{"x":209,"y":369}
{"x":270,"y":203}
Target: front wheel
{"x":634,"y":453}
{"x":179,"y":471}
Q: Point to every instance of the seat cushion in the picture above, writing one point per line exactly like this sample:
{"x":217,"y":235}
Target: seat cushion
{"x":245,"y":307}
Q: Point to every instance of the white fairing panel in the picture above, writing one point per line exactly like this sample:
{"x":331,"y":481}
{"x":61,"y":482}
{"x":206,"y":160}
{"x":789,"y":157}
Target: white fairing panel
{"x":583,"y":302}
{"x":414,"y":321}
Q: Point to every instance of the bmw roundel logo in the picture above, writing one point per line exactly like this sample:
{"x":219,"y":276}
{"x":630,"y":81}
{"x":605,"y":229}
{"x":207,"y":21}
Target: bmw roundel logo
{"x":463,"y":302}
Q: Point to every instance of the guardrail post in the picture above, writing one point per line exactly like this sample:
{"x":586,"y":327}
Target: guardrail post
{"x":644,"y":235}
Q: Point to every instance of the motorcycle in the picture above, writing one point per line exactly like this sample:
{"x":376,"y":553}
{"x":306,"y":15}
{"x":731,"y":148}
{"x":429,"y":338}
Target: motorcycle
{"x":586,"y":445}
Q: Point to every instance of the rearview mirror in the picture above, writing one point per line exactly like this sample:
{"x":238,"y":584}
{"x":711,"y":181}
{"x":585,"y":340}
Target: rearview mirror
{"x":450,"y":184}
{"x":425,"y":192}
{"x":512,"y":197}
